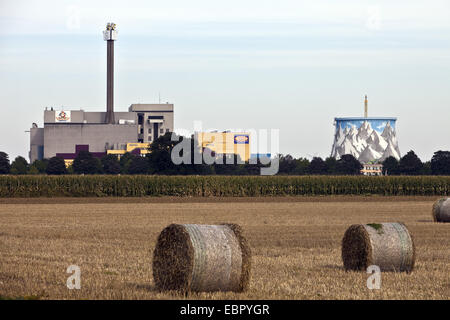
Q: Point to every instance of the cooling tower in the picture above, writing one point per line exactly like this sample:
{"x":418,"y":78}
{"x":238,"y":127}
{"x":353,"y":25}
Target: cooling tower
{"x":367,"y":139}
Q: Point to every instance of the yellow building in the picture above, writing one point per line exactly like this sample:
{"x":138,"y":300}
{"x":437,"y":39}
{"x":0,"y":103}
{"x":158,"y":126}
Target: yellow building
{"x":143,"y":149}
{"x":226,"y":143}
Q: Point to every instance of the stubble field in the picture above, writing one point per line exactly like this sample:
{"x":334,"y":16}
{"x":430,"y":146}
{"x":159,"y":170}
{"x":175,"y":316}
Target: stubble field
{"x":295,"y":241}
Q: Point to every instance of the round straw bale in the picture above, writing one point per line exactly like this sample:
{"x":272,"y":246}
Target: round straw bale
{"x":441,"y":210}
{"x":387,"y":245}
{"x":193,"y":257}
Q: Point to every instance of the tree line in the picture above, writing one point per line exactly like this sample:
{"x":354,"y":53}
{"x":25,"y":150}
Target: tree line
{"x":158,"y":161}
{"x":410,"y":164}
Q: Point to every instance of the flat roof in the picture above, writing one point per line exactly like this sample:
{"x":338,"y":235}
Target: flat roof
{"x":363,"y":118}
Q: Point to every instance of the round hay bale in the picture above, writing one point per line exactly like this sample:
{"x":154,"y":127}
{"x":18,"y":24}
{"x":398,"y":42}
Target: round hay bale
{"x":387,"y":245}
{"x":441,"y":210}
{"x":193,"y":257}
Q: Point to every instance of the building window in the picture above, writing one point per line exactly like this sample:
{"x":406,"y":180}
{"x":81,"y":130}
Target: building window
{"x":142,"y":130}
{"x":161,"y":130}
{"x":149,"y":138}
{"x":167,"y":130}
{"x":149,"y":130}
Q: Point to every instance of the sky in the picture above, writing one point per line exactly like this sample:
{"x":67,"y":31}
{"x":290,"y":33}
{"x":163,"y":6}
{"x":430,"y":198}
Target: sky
{"x":290,"y":65}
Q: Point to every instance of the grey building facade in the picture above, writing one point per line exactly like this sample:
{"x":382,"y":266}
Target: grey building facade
{"x":64,"y":130}
{"x":153,"y":120}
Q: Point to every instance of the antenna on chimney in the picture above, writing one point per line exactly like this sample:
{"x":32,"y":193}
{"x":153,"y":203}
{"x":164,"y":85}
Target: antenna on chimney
{"x":110,"y":35}
{"x":366,"y":108}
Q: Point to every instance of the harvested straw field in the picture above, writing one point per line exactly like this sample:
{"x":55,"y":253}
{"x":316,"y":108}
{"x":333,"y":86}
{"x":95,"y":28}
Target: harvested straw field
{"x":295,"y":246}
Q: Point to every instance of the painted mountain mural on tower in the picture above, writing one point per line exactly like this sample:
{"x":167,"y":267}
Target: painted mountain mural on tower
{"x":365,"y":143}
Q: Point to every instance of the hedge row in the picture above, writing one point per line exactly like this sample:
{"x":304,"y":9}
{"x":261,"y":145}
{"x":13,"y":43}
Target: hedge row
{"x":138,"y":186}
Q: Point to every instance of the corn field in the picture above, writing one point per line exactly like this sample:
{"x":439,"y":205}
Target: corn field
{"x":205,"y":186}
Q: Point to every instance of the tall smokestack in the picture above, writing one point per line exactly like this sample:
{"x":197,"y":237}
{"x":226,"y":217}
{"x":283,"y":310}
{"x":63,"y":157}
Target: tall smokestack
{"x":366,"y":107}
{"x":110,"y":35}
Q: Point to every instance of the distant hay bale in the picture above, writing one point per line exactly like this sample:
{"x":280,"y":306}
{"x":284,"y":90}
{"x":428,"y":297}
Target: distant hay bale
{"x":193,"y":257}
{"x":441,"y":210}
{"x":387,"y":245}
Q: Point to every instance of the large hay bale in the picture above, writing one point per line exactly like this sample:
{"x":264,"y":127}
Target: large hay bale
{"x":193,"y":257}
{"x":387,"y":245}
{"x":441,"y":210}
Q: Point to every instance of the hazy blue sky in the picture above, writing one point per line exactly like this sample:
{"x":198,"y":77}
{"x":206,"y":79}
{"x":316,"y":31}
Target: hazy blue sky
{"x":289,"y":65}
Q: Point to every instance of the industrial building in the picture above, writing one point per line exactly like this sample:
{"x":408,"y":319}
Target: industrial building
{"x":372,"y":169}
{"x":67,"y":132}
{"x":369,"y":139}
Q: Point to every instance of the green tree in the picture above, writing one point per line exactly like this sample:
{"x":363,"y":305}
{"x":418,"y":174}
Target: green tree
{"x":5,"y":167}
{"x":391,"y":166}
{"x":70,"y":169}
{"x":317,"y":166}
{"x":33,"y":170}
{"x":40,"y":166}
{"x":19,"y":166}
{"x":110,"y":164}
{"x":410,"y":164}
{"x":287,"y":164}
{"x":249,"y":168}
{"x":301,"y":166}
{"x":56,"y":166}
{"x":138,"y":165}
{"x":331,"y":164}
{"x":426,"y":169}
{"x":159,"y":158}
{"x":86,"y":163}
{"x":125,"y":161}
{"x":440,"y":163}
{"x":348,"y":165}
